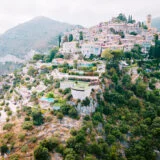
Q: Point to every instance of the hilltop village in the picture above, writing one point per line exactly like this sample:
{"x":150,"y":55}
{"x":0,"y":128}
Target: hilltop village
{"x":117,"y":34}
{"x":96,"y":96}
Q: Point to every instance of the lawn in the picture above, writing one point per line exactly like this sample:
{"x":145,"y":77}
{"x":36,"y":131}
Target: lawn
{"x":81,"y":85}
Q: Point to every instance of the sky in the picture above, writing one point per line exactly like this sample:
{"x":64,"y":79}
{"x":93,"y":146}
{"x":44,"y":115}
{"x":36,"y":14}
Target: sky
{"x":82,"y":12}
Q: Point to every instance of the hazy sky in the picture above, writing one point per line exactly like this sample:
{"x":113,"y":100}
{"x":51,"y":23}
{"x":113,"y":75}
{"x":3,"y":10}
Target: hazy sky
{"x":83,"y":12}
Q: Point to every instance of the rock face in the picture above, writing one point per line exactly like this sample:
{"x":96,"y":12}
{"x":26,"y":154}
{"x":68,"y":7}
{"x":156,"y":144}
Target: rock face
{"x":38,"y":34}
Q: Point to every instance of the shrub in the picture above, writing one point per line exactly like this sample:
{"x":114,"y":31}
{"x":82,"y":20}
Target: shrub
{"x":60,"y":115}
{"x":66,"y":91}
{"x":41,"y":153}
{"x":37,"y":117}
{"x":8,"y":136}
{"x":27,"y":119}
{"x":50,"y":143}
{"x":28,"y":125}
{"x":50,"y":95}
{"x":24,"y":148}
{"x":14,"y":157}
{"x":9,"y":113}
{"x":3,"y":149}
{"x":33,"y":139}
{"x":21,"y":137}
{"x":8,"y":126}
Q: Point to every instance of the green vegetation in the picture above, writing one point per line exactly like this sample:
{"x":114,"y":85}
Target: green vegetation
{"x":27,"y":125}
{"x":41,"y":153}
{"x":122,"y":17}
{"x":37,"y":117}
{"x":8,"y":126}
{"x":80,"y":35}
{"x":70,"y":38}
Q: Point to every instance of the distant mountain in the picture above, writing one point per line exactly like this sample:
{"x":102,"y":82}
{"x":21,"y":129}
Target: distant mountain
{"x":38,"y":34}
{"x":156,"y":23}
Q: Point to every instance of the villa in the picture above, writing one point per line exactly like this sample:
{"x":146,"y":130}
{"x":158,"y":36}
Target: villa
{"x":90,"y":48}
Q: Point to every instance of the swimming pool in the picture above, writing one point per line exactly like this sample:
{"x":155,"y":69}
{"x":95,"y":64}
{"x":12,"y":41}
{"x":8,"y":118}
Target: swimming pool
{"x":85,"y":65}
{"x":50,"y":100}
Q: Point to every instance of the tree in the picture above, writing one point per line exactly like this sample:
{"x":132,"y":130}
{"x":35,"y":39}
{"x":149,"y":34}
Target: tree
{"x":3,"y":149}
{"x":128,"y":55}
{"x":115,"y":78}
{"x":59,"y":41}
{"x":106,"y":54}
{"x":130,"y":20}
{"x":32,"y":71}
{"x":136,"y":49}
{"x":97,"y":117}
{"x":122,"y":17}
{"x":117,"y":54}
{"x":70,"y":157}
{"x":81,"y":35}
{"x":140,"y":89}
{"x":41,"y":153}
{"x":70,"y":38}
{"x":126,"y":81}
{"x":73,"y":113}
{"x":134,"y":103}
{"x":70,"y":154}
{"x":50,"y":143}
{"x":37,"y":117}
{"x":75,"y":64}
{"x":38,"y":57}
{"x":86,"y":102}
{"x":111,"y":139}
{"x":133,"y":33}
{"x":50,"y":95}
{"x":51,"y":55}
{"x":95,"y":149}
{"x":156,"y":50}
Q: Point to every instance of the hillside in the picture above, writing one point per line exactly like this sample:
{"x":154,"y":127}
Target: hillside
{"x":156,"y":23}
{"x":113,"y":116}
{"x":39,"y":34}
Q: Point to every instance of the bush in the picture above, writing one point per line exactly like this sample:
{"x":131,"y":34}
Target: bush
{"x":28,"y":125}
{"x":37,"y":117}
{"x":41,"y":153}
{"x":8,"y":126}
{"x":50,"y":143}
{"x":9,"y":113}
{"x":24,"y":148}
{"x":14,"y":157}
{"x":50,"y":95}
{"x":27,"y":119}
{"x":3,"y":149}
{"x":87,"y":118}
{"x":21,"y":137}
{"x":66,"y":91}
{"x":60,"y":115}
{"x":33,"y":139}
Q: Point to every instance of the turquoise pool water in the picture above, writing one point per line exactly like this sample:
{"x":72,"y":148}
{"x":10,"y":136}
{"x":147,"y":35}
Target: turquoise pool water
{"x":85,"y":65}
{"x":50,"y":100}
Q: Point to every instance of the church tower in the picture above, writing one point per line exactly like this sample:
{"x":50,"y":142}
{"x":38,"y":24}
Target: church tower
{"x":149,"y":21}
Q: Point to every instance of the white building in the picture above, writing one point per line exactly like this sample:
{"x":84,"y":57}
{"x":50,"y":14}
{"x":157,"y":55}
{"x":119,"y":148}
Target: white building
{"x":70,"y":47}
{"x":89,"y":48}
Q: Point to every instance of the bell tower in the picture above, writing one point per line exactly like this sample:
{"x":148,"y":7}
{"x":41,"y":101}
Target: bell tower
{"x":149,"y":21}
